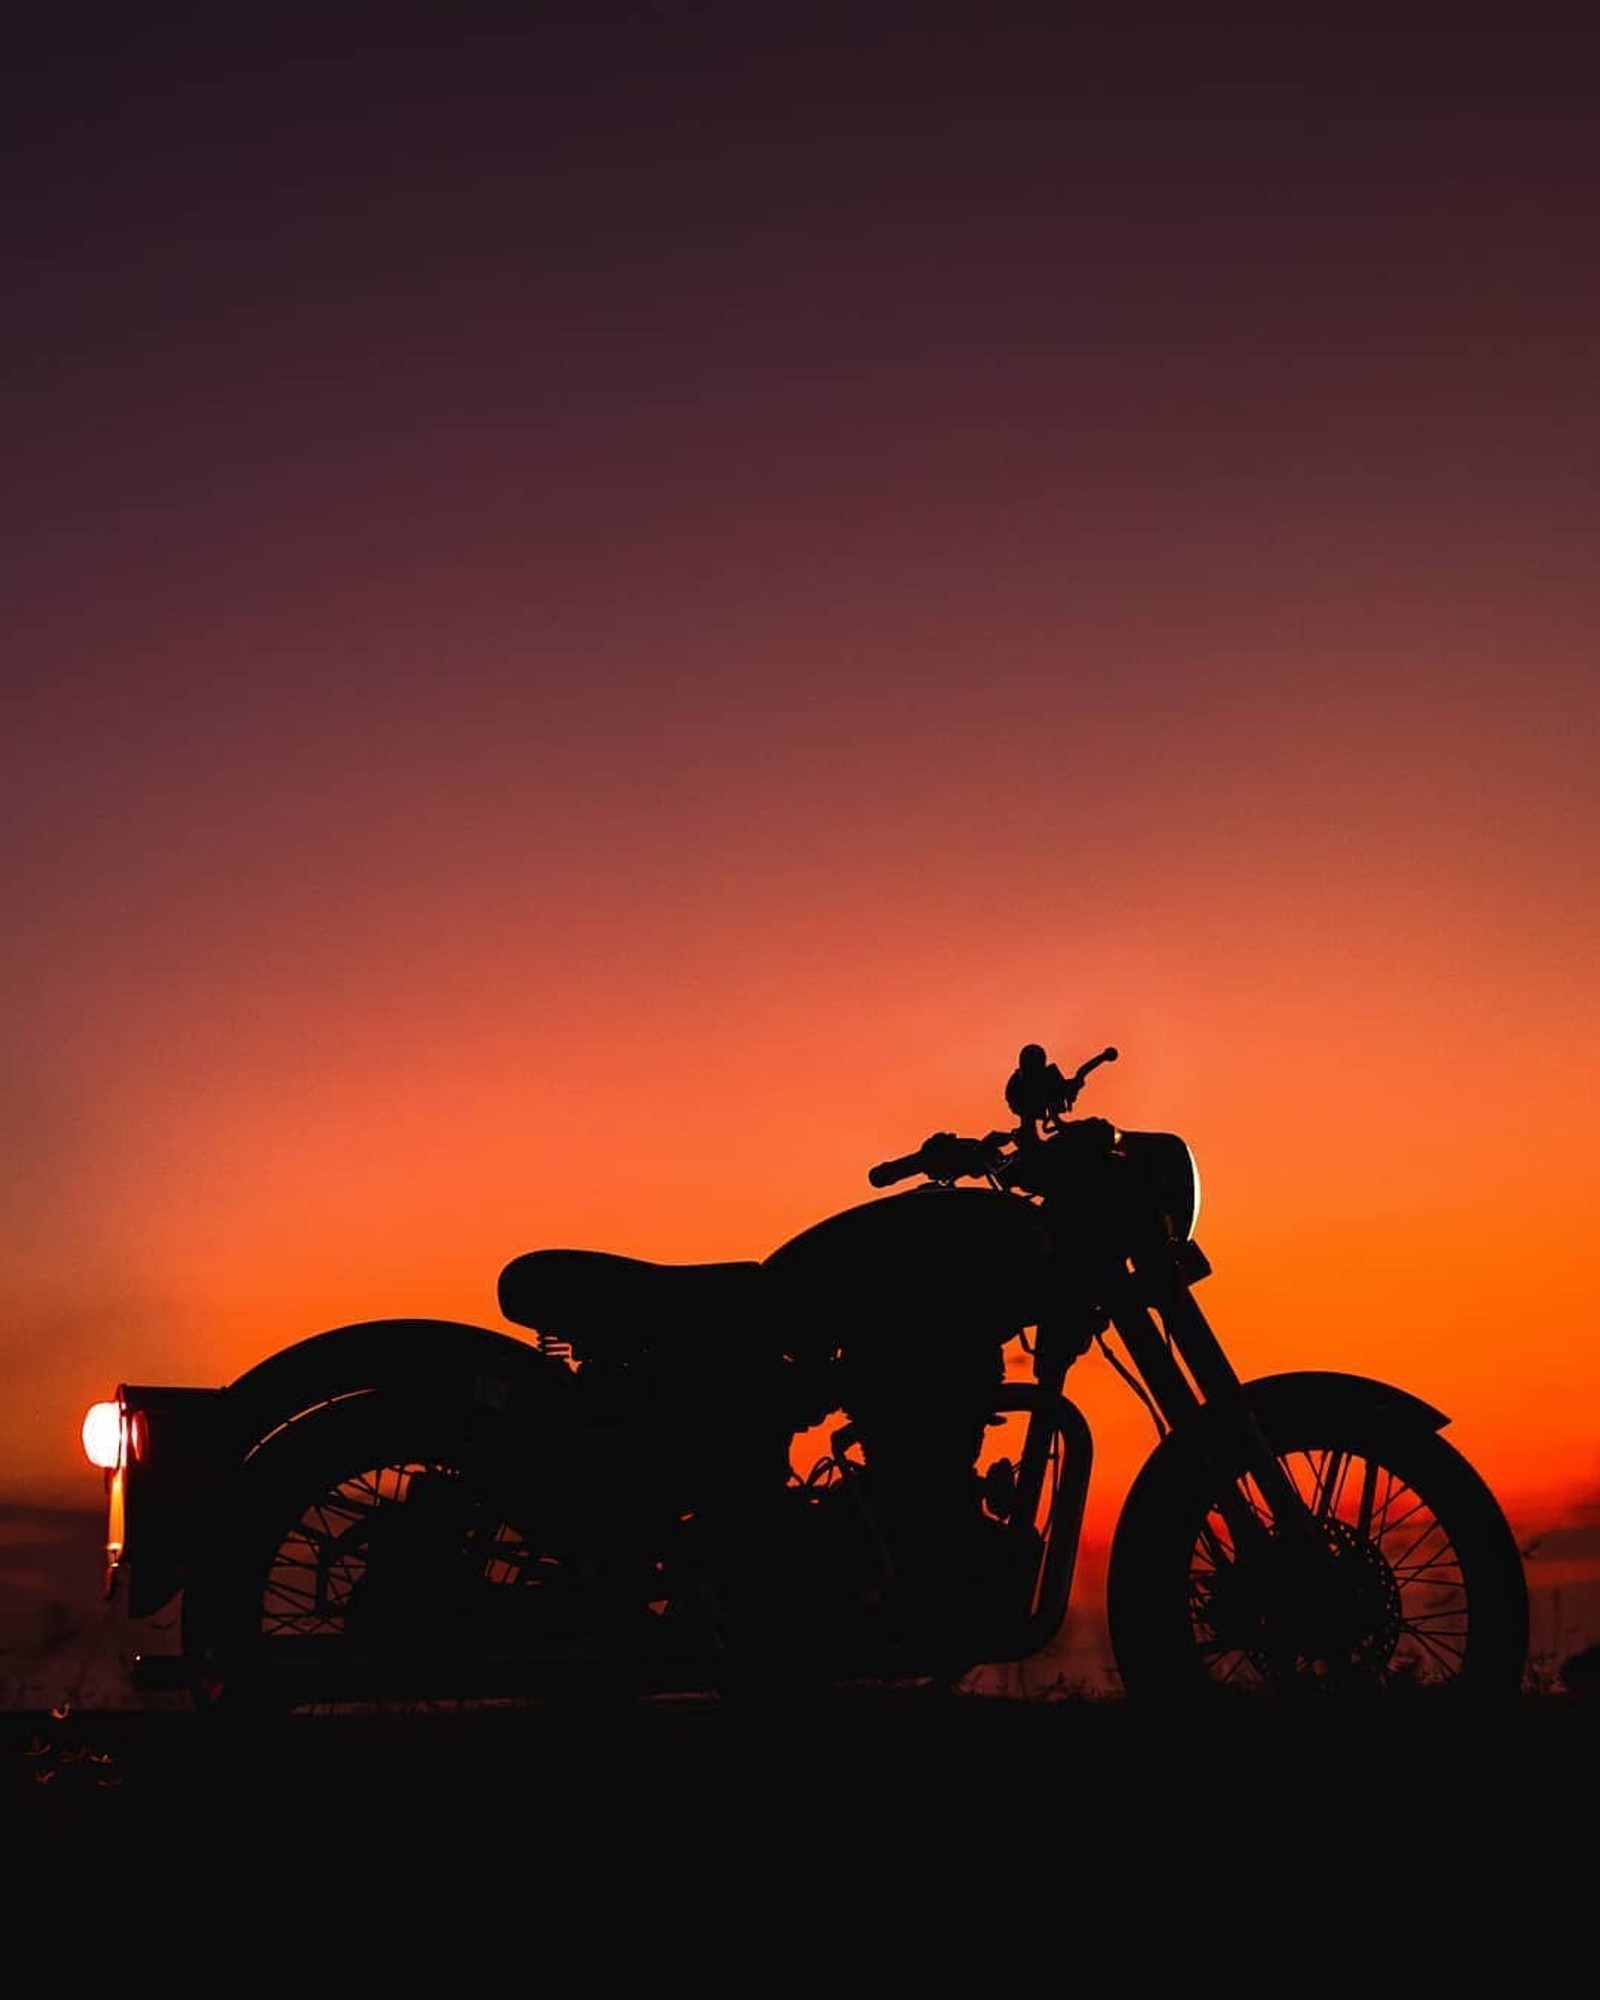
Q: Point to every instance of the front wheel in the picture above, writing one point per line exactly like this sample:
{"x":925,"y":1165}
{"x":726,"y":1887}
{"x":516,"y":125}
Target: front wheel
{"x":1403,"y":1571}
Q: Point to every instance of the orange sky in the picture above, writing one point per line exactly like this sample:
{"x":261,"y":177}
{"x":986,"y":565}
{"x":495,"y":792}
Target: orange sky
{"x":606,"y":627}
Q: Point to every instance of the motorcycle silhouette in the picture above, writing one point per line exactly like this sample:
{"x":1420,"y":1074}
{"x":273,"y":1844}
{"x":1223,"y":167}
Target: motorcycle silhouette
{"x":851,"y":1461}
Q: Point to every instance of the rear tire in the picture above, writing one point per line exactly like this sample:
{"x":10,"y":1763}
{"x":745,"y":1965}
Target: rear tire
{"x":370,"y":1530}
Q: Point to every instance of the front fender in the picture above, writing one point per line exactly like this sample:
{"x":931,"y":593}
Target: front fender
{"x":1330,"y":1390}
{"x":1280,"y":1404}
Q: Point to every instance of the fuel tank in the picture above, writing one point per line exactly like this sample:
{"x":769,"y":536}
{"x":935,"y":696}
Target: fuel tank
{"x":934,"y":1256}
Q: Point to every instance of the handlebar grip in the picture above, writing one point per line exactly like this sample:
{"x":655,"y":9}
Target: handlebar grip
{"x":887,"y":1172}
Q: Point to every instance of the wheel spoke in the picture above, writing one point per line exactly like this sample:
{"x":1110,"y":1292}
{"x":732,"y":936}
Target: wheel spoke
{"x":1328,"y":1470}
{"x":1447,"y":1656}
{"x":1364,"y":1506}
{"x":1406,"y":1559}
{"x":1216,"y":1542}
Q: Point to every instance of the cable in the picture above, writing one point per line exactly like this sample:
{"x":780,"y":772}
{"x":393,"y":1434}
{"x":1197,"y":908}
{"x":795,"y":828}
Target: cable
{"x":1134,"y":1384}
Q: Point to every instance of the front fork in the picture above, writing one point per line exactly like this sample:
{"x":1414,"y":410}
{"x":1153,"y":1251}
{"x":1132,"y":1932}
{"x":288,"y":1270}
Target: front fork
{"x":1172,"y":1344}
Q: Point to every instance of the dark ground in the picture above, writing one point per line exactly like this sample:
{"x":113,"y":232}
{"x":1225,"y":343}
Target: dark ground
{"x":888,"y":1834}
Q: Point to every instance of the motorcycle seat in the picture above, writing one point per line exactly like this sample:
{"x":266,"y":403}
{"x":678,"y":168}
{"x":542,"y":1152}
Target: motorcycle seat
{"x":566,"y":1292}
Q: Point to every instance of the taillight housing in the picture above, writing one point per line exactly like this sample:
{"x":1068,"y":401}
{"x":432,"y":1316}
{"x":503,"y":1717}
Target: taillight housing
{"x":162,"y":1452}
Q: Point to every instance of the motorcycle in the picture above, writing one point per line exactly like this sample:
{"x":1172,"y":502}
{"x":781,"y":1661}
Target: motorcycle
{"x":849,"y":1462}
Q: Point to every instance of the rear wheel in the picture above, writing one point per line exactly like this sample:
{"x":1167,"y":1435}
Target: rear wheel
{"x":1409,"y":1574}
{"x":373,"y":1553}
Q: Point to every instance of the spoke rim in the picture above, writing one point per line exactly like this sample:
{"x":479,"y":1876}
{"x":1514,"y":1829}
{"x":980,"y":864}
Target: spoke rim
{"x":319,"y":1567}
{"x":1407,"y":1616}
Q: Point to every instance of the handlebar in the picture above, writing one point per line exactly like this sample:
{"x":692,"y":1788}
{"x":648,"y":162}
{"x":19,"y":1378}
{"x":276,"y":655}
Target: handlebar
{"x":1106,"y":1055}
{"x":945,"y":1157}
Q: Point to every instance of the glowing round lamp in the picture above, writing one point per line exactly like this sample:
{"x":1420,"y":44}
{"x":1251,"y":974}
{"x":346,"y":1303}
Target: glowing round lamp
{"x":102,"y":1435}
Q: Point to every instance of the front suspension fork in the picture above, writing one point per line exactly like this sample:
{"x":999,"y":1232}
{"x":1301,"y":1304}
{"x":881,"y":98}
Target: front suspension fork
{"x":1181,"y":1360}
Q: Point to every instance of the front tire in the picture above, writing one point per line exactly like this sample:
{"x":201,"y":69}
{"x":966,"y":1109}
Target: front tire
{"x":1413,"y":1577}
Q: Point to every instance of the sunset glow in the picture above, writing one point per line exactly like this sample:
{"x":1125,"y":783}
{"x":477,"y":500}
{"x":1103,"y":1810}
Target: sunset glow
{"x":603,"y":629}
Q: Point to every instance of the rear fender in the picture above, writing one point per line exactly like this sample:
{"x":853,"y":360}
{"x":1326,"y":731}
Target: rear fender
{"x":445,"y":1361}
{"x":187,"y":1447}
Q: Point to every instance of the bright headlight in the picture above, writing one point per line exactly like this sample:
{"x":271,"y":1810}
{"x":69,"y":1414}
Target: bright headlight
{"x":1168,"y":1180}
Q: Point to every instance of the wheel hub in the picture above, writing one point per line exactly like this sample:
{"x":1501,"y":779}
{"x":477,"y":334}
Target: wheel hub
{"x":1297,"y":1611}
